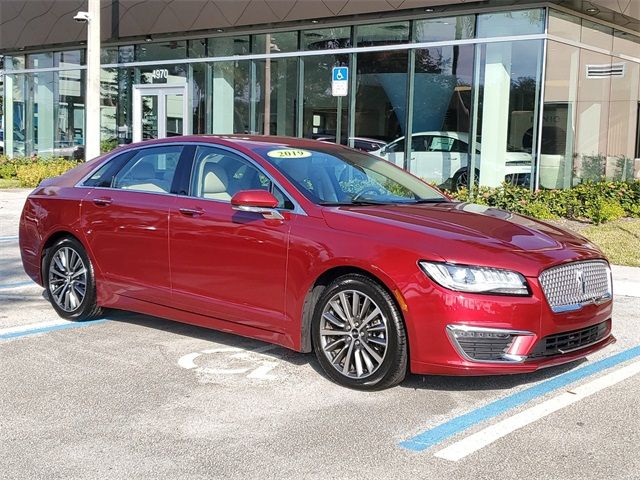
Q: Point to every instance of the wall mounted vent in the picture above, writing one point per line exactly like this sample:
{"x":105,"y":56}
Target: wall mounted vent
{"x":607,"y":70}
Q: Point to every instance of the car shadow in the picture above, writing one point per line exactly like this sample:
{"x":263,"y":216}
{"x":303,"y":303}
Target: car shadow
{"x":412,"y":381}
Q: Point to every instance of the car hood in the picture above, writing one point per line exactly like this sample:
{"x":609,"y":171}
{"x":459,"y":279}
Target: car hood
{"x":468,"y":233}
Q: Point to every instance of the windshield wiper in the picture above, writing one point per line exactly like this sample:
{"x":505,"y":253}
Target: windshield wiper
{"x":427,"y":200}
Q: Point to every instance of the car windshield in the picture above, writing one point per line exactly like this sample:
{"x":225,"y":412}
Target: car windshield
{"x":335,"y":176}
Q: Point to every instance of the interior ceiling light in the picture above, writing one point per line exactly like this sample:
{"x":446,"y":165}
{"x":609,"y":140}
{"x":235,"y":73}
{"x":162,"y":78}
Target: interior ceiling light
{"x":148,"y":38}
{"x":428,"y":10}
{"x":592,"y":10}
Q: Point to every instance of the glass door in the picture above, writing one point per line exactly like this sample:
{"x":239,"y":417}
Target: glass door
{"x":159,"y":112}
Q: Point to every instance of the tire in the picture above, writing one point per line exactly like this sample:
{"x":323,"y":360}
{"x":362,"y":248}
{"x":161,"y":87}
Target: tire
{"x":70,"y":281}
{"x":375,"y":349}
{"x":461,"y":179}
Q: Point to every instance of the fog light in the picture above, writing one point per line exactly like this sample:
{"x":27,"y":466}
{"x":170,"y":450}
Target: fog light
{"x":493,"y":345}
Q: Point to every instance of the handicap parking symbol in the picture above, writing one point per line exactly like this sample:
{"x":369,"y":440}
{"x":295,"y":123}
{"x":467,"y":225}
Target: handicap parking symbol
{"x":340,"y":74}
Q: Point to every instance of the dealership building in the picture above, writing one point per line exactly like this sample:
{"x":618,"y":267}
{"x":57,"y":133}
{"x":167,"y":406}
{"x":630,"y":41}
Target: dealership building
{"x":544,"y":94}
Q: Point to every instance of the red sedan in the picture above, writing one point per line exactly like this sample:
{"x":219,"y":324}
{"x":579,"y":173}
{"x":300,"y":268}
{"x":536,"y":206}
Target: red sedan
{"x":316,"y":247}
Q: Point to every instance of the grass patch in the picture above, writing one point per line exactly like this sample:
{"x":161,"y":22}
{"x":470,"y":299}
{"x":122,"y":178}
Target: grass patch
{"x":9,"y":183}
{"x":619,"y":240}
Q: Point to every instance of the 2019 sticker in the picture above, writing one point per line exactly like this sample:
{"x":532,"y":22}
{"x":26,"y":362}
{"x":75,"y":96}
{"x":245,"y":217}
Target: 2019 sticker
{"x":289,"y":153}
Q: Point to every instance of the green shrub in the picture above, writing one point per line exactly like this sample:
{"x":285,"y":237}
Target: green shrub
{"x":30,"y":175}
{"x":599,"y":202}
{"x":605,"y":211}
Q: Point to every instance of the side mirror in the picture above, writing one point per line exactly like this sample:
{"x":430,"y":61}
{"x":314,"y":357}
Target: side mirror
{"x":257,"y":201}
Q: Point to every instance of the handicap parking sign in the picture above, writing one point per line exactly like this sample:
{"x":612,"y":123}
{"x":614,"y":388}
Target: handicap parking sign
{"x":339,"y":81}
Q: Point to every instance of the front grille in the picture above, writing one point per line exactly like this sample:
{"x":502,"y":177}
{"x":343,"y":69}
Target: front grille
{"x":568,"y":287}
{"x":491,"y":349}
{"x":560,"y":343}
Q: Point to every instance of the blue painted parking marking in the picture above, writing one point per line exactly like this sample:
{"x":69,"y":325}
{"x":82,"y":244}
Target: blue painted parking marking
{"x":8,"y":239}
{"x":463,"y":422}
{"x":8,"y":286}
{"x":51,"y":328}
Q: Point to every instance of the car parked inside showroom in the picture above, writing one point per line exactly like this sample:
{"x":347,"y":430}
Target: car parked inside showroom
{"x":442,"y":158}
{"x":316,"y":247}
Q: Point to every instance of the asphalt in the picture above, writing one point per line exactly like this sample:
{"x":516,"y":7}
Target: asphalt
{"x":140,"y":397}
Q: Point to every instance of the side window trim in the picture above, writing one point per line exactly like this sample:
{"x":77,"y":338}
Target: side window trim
{"x":182,"y":178}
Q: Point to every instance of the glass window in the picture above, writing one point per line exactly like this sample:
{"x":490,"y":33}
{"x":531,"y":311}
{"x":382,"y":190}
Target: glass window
{"x":277,"y":80}
{"x":507,"y":106}
{"x":40,"y":60}
{"x":199,"y":96}
{"x":173,"y":50}
{"x":381,"y":95}
{"x":14,"y":62}
{"x":441,"y":113}
{"x":164,"y":74}
{"x":69,"y":58}
{"x":382,"y":34}
{"x":233,"y":98}
{"x":126,"y":53}
{"x":321,"y":111}
{"x":220,"y":174}
{"x":326,"y":38}
{"x":197,"y":48}
{"x":519,"y":22}
{"x":149,"y":170}
{"x":626,"y":43}
{"x":596,"y":35}
{"x":228,"y":46}
{"x":442,"y":29}
{"x":108,"y":55}
{"x":109,"y":100}
{"x":564,"y":25}
{"x":278,"y":42}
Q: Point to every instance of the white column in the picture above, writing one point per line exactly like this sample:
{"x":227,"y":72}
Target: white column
{"x":92,"y":91}
{"x":495,"y":114}
{"x":8,"y":115}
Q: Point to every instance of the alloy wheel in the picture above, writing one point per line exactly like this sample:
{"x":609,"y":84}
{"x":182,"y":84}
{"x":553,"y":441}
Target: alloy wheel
{"x":67,"y":279}
{"x":353,"y":334}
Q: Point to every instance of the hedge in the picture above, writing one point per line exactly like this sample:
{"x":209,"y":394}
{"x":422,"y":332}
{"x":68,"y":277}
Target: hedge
{"x":598,"y":202}
{"x":30,"y":171}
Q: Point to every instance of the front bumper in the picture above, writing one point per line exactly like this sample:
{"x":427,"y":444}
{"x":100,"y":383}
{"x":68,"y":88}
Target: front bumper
{"x":535,"y":343}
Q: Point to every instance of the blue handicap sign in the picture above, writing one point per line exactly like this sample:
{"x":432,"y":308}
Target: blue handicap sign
{"x":340,"y":74}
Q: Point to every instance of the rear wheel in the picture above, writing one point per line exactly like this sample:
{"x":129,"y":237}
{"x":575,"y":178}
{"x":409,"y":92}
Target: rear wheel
{"x":70,"y":281}
{"x":358,"y":334}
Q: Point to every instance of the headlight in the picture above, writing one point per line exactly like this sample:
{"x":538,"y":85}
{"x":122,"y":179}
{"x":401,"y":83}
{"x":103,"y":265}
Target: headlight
{"x":465,"y":278}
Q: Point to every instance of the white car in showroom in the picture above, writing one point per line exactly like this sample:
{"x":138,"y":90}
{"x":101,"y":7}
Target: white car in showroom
{"x":443,"y":158}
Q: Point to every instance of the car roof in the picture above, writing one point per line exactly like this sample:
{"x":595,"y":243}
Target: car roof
{"x":250,"y":142}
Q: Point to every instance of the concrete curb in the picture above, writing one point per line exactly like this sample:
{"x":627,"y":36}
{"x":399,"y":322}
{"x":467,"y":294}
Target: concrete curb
{"x":626,"y":281}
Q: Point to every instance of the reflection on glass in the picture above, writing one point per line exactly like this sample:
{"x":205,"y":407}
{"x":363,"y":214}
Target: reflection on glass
{"x":40,"y":60}
{"x":441,"y":115}
{"x":198,"y":89}
{"x":508,"y":90}
{"x":149,"y":117}
{"x":174,"y":114}
{"x":277,"y":80}
{"x":70,"y":117}
{"x":278,"y":42}
{"x":227,"y":46}
{"x":564,"y":25}
{"x":382,"y":34}
{"x":326,"y":38}
{"x":519,"y":22}
{"x":320,"y":113}
{"x":109,"y":100}
{"x":232,"y":97}
{"x":443,"y":29}
{"x":173,"y":50}
{"x":381,"y":95}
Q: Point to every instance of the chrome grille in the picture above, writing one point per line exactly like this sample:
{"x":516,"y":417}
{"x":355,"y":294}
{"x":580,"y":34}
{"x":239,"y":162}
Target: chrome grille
{"x":568,"y":287}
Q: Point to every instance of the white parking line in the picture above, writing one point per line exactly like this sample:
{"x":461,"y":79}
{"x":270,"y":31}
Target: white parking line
{"x":488,"y":435}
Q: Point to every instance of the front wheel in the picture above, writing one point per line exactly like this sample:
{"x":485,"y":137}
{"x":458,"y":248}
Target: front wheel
{"x":70,"y":281}
{"x":358,"y":334}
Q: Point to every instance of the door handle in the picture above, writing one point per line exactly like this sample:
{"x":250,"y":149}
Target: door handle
{"x":103,"y":201}
{"x":191,"y":212}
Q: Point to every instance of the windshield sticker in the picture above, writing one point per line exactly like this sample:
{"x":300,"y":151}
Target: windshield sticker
{"x":289,"y":153}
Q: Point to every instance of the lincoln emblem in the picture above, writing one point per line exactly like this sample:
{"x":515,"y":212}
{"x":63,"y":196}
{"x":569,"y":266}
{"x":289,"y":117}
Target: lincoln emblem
{"x":581,"y":282}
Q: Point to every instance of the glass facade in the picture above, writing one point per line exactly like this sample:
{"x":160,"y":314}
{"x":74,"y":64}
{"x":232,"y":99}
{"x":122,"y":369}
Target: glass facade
{"x":533,"y":96}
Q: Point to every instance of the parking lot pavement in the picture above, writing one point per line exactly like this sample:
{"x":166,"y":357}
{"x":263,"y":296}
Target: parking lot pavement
{"x":132,"y":396}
